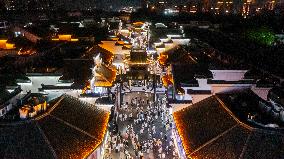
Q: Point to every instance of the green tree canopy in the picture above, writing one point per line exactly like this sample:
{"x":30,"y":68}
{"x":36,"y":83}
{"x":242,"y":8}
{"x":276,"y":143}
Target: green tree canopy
{"x":262,"y":35}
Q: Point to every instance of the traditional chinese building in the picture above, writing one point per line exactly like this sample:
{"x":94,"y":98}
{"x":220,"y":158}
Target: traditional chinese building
{"x":228,"y":126}
{"x":69,"y":129}
{"x":103,"y":76}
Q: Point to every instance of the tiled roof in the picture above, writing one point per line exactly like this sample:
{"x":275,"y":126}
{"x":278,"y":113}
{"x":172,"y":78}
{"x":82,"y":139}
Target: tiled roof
{"x":106,"y":55}
{"x":138,"y":57}
{"x":70,"y":129}
{"x":209,"y":130}
{"x":5,"y":95}
{"x":23,"y":140}
{"x":107,"y":74}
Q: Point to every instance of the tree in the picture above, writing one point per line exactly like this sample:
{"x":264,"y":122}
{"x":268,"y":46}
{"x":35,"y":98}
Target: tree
{"x":262,"y":35}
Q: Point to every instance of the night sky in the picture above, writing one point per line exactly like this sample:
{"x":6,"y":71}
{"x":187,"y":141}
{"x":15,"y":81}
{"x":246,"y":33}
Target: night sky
{"x":106,"y":4}
{"x":110,"y":4}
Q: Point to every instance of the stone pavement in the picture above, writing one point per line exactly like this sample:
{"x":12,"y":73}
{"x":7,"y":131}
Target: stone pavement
{"x":132,"y":102}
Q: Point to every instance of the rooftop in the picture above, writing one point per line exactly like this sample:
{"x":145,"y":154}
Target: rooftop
{"x":6,"y":95}
{"x":209,"y":129}
{"x":138,"y":57}
{"x":106,"y":76}
{"x":73,"y":66}
{"x":186,"y":73}
{"x":71,"y":128}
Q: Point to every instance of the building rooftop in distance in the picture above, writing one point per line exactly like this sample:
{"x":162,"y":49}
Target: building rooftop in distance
{"x":70,"y":129}
{"x":138,"y":57}
{"x":105,"y":76}
{"x":208,"y":129}
{"x":73,"y":66}
{"x":186,"y":73}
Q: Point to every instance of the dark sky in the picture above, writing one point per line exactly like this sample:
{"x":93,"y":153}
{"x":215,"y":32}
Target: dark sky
{"x":115,"y":4}
{"x":108,"y":3}
{"x":97,"y":3}
{"x":119,"y":2}
{"x":132,"y":2}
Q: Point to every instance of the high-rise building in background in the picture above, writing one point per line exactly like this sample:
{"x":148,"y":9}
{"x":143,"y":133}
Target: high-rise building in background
{"x":28,"y":4}
{"x":217,"y":6}
{"x":51,"y":4}
{"x":206,"y":6}
{"x":161,"y":5}
{"x":10,"y":4}
{"x":224,"y":6}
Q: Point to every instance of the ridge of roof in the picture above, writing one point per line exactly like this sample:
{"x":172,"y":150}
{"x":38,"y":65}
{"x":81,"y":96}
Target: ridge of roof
{"x":247,"y":132}
{"x":46,"y":140}
{"x":40,"y":132}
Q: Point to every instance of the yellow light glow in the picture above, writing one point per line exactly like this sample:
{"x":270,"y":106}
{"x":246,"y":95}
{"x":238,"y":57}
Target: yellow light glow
{"x":66,"y":37}
{"x":138,"y":23}
{"x":101,"y":137}
{"x":74,"y":40}
{"x":114,"y":39}
{"x":120,"y":42}
{"x":10,"y":46}
{"x":5,"y":45}
{"x":167,"y":80}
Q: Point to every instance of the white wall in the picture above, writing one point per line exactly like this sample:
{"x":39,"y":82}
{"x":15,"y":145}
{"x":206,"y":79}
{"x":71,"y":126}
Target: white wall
{"x":178,"y":107}
{"x":223,"y":88}
{"x":125,"y":32}
{"x":165,"y":40}
{"x":202,"y":85}
{"x":174,"y":36}
{"x":199,"y":97}
{"x":169,"y":46}
{"x":158,"y":43}
{"x":228,"y":75}
{"x":181,"y":41}
{"x":36,"y":82}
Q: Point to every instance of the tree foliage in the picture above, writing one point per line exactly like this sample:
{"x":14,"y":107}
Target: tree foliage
{"x":262,"y":35}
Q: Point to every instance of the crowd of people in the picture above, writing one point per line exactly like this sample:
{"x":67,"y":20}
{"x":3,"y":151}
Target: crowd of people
{"x":144,"y":130}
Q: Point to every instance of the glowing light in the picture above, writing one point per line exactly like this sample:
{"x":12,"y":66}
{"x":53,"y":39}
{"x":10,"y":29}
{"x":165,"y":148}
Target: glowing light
{"x":74,"y":40}
{"x":65,"y":37}
{"x":178,"y":118}
{"x":100,"y":136}
{"x":5,"y":45}
{"x":10,"y":46}
{"x":167,"y":80}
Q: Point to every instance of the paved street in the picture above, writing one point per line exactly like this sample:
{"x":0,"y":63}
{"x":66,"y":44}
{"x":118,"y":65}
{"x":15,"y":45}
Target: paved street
{"x":144,"y":129}
{"x":141,"y":127}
